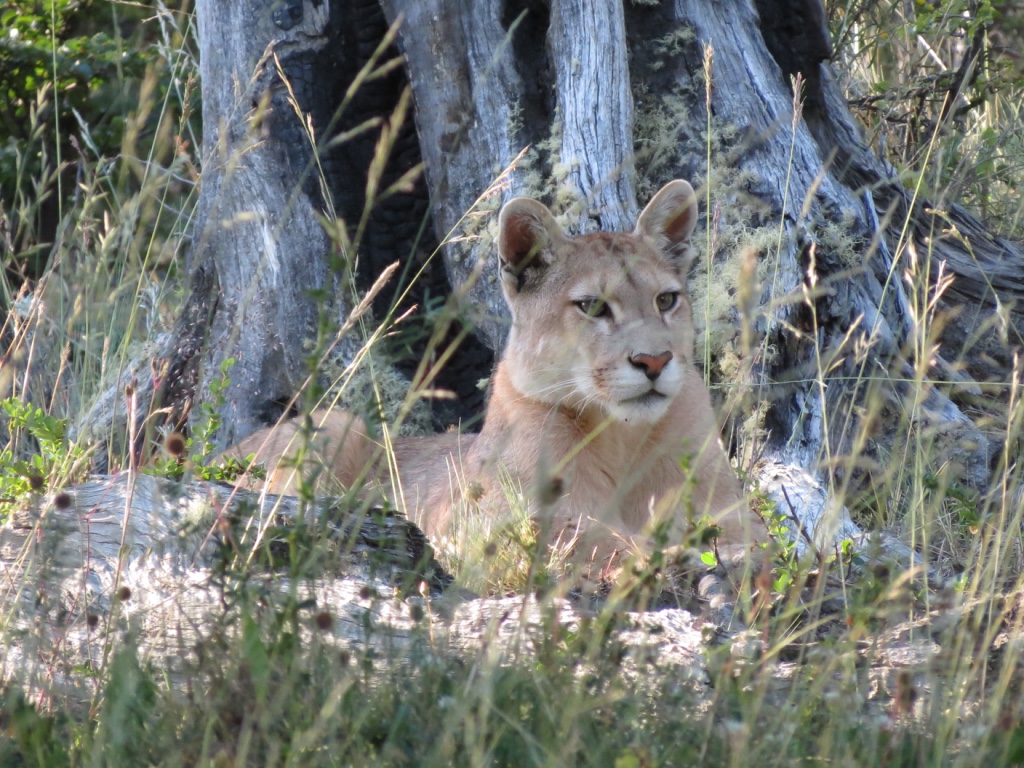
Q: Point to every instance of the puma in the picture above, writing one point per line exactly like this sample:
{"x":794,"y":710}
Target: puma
{"x":596,"y":411}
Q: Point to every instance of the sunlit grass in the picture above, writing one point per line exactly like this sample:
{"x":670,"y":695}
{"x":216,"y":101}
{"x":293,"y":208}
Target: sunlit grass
{"x":881,"y":667}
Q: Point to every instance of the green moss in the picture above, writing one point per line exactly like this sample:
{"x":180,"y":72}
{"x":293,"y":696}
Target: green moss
{"x":675,"y":42}
{"x":658,"y":143}
{"x":379,"y":393}
{"x":837,"y":239}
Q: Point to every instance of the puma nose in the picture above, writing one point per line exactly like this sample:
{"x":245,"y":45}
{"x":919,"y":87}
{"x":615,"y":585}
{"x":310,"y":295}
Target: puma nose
{"x":651,"y":365}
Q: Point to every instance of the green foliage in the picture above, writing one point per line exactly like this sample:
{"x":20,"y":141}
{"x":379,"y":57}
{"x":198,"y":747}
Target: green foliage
{"x":962,"y":502}
{"x":31,"y":738}
{"x":788,"y":570}
{"x":198,"y":448}
{"x":33,"y":473}
{"x":129,"y":710}
{"x":209,"y":419}
{"x":938,"y":86}
{"x":85,"y":70}
{"x":71,"y":76}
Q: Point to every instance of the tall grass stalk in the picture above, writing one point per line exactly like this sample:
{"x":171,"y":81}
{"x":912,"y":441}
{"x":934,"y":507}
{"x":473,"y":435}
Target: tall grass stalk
{"x":886,"y":668}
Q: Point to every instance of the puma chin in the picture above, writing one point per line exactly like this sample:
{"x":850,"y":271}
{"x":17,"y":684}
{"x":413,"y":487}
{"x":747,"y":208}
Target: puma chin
{"x":596,"y":389}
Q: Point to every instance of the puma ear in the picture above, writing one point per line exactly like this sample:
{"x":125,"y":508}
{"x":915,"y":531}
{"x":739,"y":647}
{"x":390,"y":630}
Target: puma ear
{"x":669,"y":220}
{"x":526,"y":232}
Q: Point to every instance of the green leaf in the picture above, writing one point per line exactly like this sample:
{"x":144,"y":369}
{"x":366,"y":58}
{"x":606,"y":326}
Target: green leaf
{"x":256,"y":657}
{"x":783,"y":582}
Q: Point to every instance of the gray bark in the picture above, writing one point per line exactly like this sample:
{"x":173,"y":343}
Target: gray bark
{"x":258,"y":226}
{"x":595,"y":107}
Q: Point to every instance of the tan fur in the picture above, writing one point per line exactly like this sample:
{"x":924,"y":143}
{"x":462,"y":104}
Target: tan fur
{"x":573,"y":418}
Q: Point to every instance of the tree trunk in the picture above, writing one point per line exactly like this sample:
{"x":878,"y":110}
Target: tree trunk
{"x":590,"y":107}
{"x":268,"y":283}
{"x":257,"y":230}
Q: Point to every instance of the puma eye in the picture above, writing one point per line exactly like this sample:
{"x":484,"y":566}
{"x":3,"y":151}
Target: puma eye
{"x":593,"y":307}
{"x":666,"y":301}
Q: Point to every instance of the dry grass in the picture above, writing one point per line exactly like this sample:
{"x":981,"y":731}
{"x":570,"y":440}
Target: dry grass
{"x":881,"y":669}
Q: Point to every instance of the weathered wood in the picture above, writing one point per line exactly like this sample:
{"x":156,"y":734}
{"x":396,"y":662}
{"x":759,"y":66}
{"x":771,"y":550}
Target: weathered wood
{"x":150,"y":558}
{"x":142,"y":560}
{"x":117,"y":521}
